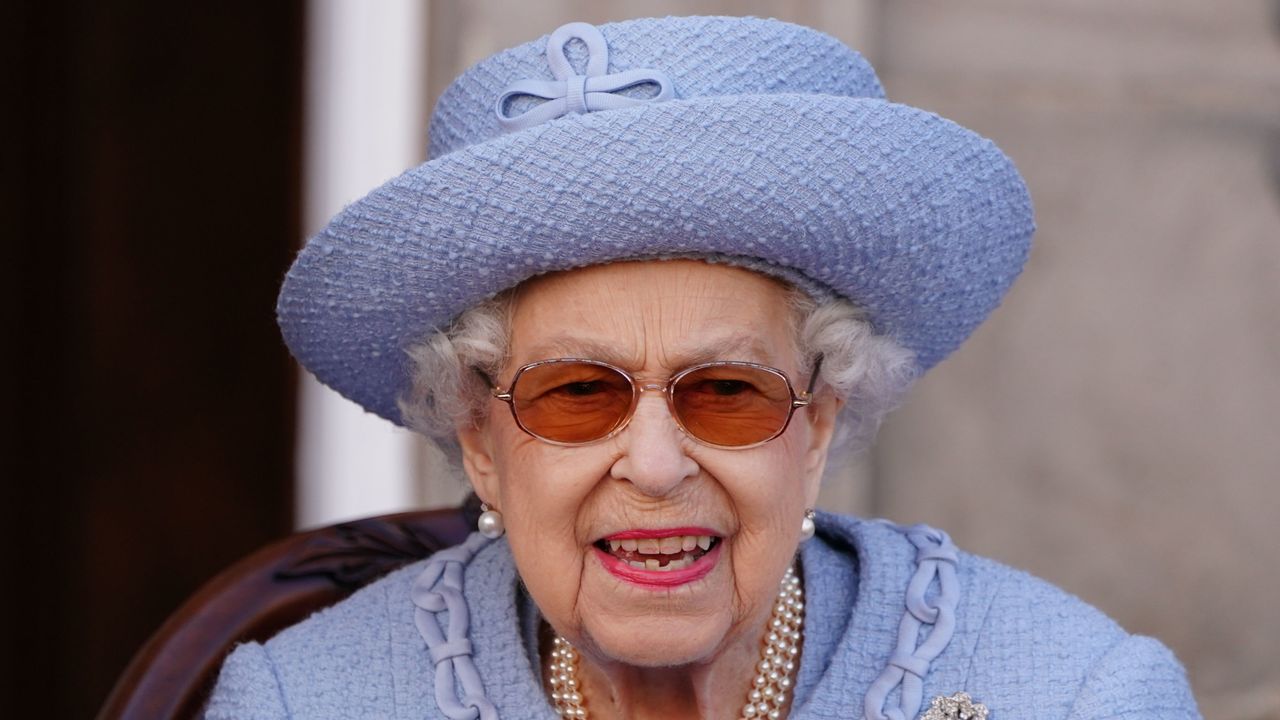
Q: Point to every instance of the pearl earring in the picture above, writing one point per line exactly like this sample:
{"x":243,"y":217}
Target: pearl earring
{"x":807,"y":528}
{"x":490,"y":523}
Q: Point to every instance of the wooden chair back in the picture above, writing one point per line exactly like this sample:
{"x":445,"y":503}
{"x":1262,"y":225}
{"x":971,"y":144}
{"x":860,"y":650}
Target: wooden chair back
{"x":279,"y":585}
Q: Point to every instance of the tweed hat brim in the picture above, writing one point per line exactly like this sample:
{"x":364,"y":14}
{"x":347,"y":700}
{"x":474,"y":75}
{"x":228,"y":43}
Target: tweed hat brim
{"x":915,"y":219}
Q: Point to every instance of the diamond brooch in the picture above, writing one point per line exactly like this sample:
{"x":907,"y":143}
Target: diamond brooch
{"x":957,"y":707}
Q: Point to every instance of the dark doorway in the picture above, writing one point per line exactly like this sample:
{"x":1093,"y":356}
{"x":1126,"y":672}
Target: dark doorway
{"x":151,"y":208}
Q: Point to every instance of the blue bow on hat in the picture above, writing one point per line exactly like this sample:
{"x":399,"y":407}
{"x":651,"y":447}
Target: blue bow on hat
{"x":571,"y":93}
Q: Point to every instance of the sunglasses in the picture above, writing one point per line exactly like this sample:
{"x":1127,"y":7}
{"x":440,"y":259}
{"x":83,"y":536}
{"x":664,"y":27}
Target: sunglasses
{"x":727,"y":404}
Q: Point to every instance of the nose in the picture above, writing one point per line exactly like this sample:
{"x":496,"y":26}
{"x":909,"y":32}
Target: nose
{"x":654,"y":455}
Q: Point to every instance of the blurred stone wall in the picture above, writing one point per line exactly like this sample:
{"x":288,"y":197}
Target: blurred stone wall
{"x":1115,"y":427}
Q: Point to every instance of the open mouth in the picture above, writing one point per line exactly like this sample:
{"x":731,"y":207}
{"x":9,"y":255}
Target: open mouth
{"x":665,"y":554}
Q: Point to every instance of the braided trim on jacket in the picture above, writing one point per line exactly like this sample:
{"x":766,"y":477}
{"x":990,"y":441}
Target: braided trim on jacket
{"x":438,"y":589}
{"x":936,"y":558}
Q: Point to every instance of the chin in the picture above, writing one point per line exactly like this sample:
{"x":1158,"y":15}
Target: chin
{"x":659,"y":642}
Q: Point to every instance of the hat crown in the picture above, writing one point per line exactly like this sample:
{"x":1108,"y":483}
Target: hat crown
{"x":701,"y":57}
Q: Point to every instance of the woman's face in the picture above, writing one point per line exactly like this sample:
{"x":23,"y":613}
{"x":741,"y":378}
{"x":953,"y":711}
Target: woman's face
{"x":562,"y":505}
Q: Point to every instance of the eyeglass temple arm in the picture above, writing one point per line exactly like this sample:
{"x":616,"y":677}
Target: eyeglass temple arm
{"x":505,"y":396}
{"x":813,"y":382}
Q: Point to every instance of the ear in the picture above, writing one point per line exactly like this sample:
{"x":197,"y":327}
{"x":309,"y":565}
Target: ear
{"x":478,"y":464}
{"x":821,"y":416}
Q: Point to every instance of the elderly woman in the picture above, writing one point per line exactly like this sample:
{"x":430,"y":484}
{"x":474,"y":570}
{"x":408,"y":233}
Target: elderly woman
{"x":653,"y":273}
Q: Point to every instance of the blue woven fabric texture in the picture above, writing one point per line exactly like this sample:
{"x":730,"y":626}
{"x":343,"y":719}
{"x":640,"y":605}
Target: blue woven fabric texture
{"x":778,"y":153}
{"x":1023,"y":648}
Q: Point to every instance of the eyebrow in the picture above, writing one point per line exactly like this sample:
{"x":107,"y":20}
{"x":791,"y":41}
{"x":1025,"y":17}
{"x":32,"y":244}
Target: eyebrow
{"x":736,"y":346}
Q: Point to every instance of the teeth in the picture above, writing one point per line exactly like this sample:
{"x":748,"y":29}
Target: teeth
{"x":679,"y":563}
{"x":667,"y":547}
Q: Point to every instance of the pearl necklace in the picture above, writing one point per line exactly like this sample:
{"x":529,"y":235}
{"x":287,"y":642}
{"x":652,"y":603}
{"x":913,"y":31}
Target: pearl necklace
{"x":780,"y":650}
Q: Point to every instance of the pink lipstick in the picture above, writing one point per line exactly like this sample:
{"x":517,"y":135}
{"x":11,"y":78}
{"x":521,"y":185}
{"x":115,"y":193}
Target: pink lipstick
{"x":642,"y":533}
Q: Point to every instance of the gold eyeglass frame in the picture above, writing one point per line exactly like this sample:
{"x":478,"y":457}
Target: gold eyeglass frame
{"x":637,"y":387}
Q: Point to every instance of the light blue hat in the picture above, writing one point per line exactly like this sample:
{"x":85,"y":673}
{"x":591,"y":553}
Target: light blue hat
{"x":749,"y":141}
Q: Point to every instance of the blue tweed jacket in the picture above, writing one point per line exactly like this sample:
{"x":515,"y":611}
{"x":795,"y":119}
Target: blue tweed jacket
{"x":1020,"y":646}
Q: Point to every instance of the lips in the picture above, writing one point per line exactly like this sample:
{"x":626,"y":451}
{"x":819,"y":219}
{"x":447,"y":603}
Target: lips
{"x":660,"y":557}
{"x":659,"y":554}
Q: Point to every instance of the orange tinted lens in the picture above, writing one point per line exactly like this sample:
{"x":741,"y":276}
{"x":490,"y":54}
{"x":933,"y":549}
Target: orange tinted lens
{"x":732,"y":405}
{"x":571,"y":402}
